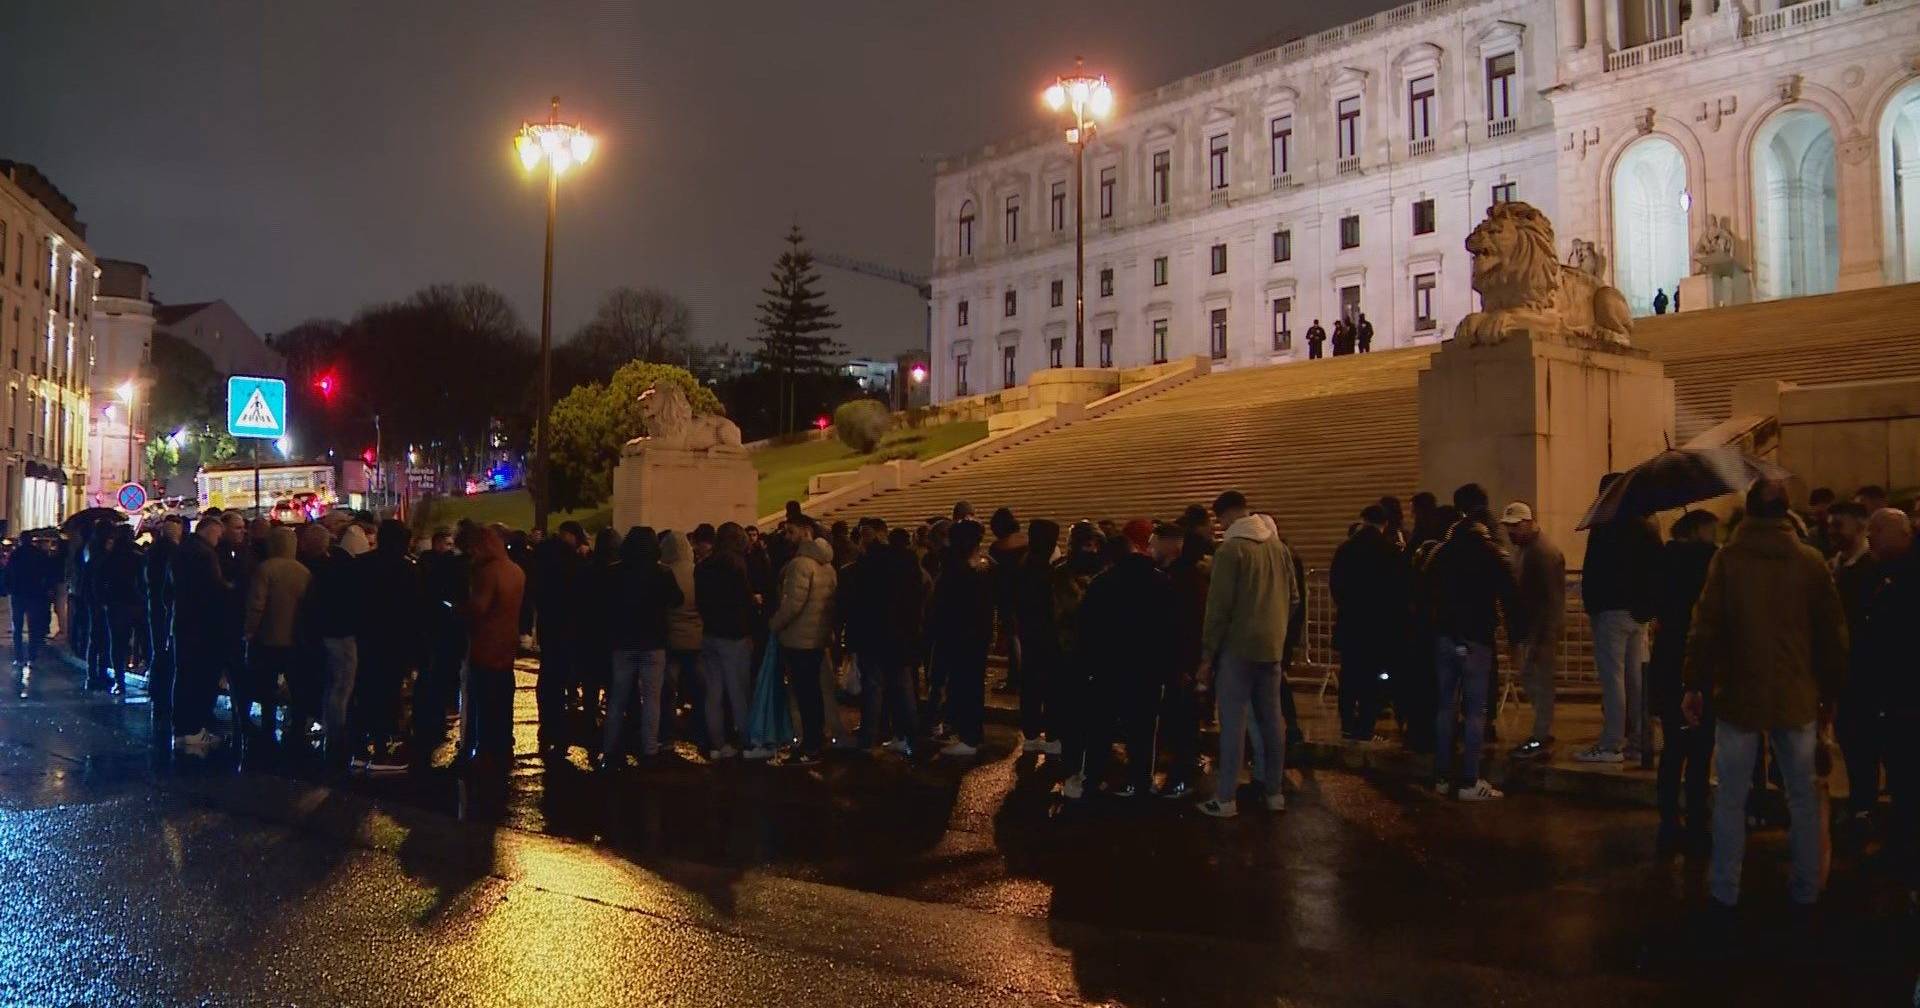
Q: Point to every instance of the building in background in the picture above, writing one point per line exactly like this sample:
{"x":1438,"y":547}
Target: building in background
{"x":122,"y":378}
{"x":47,"y":277}
{"x":876,"y":378}
{"x":215,"y":329}
{"x":1340,"y":173}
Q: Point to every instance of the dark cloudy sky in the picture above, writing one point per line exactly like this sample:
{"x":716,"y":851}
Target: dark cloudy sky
{"x":307,"y":158}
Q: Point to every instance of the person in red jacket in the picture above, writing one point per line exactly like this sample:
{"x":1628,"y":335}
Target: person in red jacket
{"x":495,"y":589}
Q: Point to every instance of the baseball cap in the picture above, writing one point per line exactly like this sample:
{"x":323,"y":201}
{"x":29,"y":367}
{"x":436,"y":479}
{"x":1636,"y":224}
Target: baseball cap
{"x":1515,"y":513}
{"x":1139,"y":532}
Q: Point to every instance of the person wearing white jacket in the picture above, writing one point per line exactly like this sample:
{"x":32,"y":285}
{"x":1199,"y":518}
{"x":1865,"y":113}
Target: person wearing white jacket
{"x":802,"y":624}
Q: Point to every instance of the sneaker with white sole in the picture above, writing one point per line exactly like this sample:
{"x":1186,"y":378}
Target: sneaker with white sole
{"x":758,"y":753}
{"x":897,"y":746}
{"x":724,"y":752}
{"x":1051,"y":747}
{"x":1074,"y":787}
{"x":1276,"y":802}
{"x":1175,"y":790}
{"x":1033,"y":744}
{"x":1219,"y":809}
{"x":958,"y":748}
{"x":1595,"y":754}
{"x":1480,"y":791}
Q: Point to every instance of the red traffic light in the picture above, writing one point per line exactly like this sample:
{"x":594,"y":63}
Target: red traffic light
{"x":327,"y":384}
{"x":821,"y":422}
{"x":367,"y":456}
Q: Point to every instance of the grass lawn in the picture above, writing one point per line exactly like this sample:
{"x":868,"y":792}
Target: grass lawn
{"x":784,"y":469}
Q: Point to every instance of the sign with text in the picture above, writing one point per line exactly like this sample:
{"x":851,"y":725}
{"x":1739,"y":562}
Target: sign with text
{"x":256,"y":407}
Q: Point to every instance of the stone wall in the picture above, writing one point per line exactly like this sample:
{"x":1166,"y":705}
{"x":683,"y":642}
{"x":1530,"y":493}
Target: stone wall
{"x":1850,"y":434}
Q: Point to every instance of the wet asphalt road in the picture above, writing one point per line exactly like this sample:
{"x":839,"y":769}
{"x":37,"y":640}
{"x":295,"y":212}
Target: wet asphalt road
{"x":128,"y":879}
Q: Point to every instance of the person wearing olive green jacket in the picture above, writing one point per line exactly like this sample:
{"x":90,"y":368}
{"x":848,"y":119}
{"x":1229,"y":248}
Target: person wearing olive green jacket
{"x":1769,"y":642}
{"x":1250,"y":600}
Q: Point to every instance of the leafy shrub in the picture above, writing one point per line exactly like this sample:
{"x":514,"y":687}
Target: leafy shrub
{"x":861,"y":423}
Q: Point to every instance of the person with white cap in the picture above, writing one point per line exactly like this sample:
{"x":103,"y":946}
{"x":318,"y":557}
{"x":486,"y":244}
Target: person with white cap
{"x":1533,"y":628}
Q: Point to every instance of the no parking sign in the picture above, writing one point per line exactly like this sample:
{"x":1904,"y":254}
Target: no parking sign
{"x":131,"y":497}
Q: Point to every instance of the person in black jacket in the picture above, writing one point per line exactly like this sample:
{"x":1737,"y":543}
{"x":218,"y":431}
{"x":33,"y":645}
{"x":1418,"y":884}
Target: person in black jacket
{"x":647,"y":590}
{"x":729,"y":613}
{"x":1126,"y":631}
{"x":1183,"y":554}
{"x":1617,"y":587}
{"x":1031,"y":593}
{"x":1688,"y":749}
{"x":443,"y":589}
{"x":202,"y":599}
{"x":959,"y":630}
{"x":1883,"y":656}
{"x":1469,"y":582}
{"x":159,"y":614}
{"x":555,"y":588}
{"x":91,"y":574}
{"x":599,"y":590}
{"x":1368,"y":583}
{"x":388,"y":645}
{"x":117,"y":592}
{"x":30,"y":585}
{"x":883,"y":596}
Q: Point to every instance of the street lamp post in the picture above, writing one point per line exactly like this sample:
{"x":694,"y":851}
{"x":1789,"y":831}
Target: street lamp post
{"x":559,"y":146}
{"x":126,"y":392}
{"x":1087,"y":100}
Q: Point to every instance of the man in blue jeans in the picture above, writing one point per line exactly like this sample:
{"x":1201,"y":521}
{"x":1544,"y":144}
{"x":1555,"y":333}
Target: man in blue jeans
{"x":1469,"y":583}
{"x":1250,"y":600}
{"x":1618,"y":587}
{"x":1769,"y":640}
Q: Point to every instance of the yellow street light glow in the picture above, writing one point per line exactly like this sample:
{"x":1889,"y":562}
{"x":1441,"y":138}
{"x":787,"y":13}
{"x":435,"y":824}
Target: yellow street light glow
{"x":560,"y":145}
{"x":125,"y":391}
{"x":1055,"y":96}
{"x":1101,"y":101}
{"x":528,"y":149}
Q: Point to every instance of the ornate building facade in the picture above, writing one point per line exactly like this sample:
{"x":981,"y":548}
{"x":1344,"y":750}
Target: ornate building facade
{"x":1338,"y":174}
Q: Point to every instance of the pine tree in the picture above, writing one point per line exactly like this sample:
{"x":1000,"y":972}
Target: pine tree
{"x":793,"y":322}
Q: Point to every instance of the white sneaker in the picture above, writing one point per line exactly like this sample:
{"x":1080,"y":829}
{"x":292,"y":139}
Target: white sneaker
{"x":724,"y":752}
{"x":1276,"y":803}
{"x":899,"y":745}
{"x":1033,"y":744}
{"x":1480,"y":791}
{"x":1219,"y":809}
{"x":1073,"y":787}
{"x":758,"y":753}
{"x":958,"y":748}
{"x":1442,"y":788}
{"x":1051,"y":747}
{"x":1595,"y":754}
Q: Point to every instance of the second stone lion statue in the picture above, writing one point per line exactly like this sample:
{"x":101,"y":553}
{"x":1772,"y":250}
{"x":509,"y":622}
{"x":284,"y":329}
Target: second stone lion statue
{"x":1524,"y":289}
{"x":671,"y":422}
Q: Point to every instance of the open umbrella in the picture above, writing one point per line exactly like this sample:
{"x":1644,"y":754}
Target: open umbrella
{"x":1675,"y":478}
{"x":94,"y":515}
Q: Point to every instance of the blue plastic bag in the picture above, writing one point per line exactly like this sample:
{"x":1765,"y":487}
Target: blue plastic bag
{"x":770,"y":721}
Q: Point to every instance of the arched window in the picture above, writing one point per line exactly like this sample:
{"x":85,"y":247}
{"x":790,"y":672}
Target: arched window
{"x":966,"y":228}
{"x":1796,"y":216}
{"x":1900,"y":185}
{"x":1649,"y":221}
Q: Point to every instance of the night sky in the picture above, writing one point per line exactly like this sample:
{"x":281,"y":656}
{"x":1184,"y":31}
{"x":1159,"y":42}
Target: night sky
{"x":305,"y":159}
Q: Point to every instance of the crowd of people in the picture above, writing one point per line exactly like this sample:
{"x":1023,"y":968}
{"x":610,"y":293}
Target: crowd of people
{"x":1120,"y":637}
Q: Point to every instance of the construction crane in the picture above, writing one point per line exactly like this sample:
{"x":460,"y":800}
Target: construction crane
{"x":919,"y":283}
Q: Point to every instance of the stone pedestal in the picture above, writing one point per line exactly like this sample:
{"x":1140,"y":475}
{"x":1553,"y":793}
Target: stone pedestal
{"x":677,"y":489}
{"x":1540,"y":419}
{"x":1703,"y":291}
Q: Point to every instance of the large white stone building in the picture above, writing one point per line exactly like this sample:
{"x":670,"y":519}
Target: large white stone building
{"x":1339,"y":173}
{"x":47,"y":277}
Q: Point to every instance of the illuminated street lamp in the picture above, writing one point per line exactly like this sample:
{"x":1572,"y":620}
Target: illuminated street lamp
{"x":1087,"y":100}
{"x":559,"y":146}
{"x":125,"y":394}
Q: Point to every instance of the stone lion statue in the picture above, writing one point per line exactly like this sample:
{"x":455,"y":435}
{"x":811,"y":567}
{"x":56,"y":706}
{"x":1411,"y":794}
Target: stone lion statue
{"x":1523,"y":289}
{"x":671,"y":422}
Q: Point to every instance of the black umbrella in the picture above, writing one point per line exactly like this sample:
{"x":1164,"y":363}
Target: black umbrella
{"x":1675,"y":478}
{"x":94,"y":515}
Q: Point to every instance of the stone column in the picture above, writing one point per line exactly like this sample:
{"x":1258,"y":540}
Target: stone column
{"x":1905,"y":266}
{"x":1573,"y":25}
{"x":1860,"y":254}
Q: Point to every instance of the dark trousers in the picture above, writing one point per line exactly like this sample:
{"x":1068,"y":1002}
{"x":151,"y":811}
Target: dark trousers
{"x":79,"y":615}
{"x":490,"y":707}
{"x":1857,"y":726}
{"x":122,"y":622}
{"x":436,"y":690}
{"x":1123,"y":712}
{"x":32,"y":617}
{"x":1289,"y":713}
{"x":1313,"y":350}
{"x":160,"y":667}
{"x":195,"y":681}
{"x":682,"y":688}
{"x":373,"y":715}
{"x":965,"y":670}
{"x":559,"y":674}
{"x":803,"y":680}
{"x":1039,"y":674}
{"x":261,"y":684}
{"x":1686,"y":757}
{"x":886,"y":695}
{"x":1363,"y":672}
{"x":1900,"y":747}
{"x":99,"y":652}
{"x":1180,"y":732}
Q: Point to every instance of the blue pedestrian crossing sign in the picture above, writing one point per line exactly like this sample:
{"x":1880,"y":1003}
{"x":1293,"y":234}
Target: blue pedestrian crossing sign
{"x":256,"y":407}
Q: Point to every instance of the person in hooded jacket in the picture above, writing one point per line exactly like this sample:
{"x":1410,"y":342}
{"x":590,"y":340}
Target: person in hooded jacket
{"x":1688,"y":749}
{"x":200,"y":593}
{"x":491,"y":609}
{"x":883,"y":593}
{"x":959,"y":631}
{"x":1039,"y":634}
{"x":443,"y":592}
{"x":1126,"y":634}
{"x":647,"y":594}
{"x":1618,"y":590}
{"x":557,"y":570}
{"x":276,"y":594}
{"x":803,"y":624}
{"x":1473,"y":581}
{"x":684,"y":633}
{"x":599,"y":597}
{"x":723,"y":591}
{"x":388,"y":645}
{"x":1072,"y":698}
{"x":337,"y":613}
{"x":1368,"y":584}
{"x":1251,"y":598}
{"x":1004,"y":555}
{"x":1184,"y":555}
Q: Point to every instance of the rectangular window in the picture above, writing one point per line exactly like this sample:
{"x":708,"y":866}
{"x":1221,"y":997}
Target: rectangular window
{"x":1423,"y":217}
{"x":1106,"y":348}
{"x":1106,"y":282}
{"x":960,"y":375}
{"x":1057,"y":206}
{"x":1160,"y":271}
{"x":1500,"y":87}
{"x":1283,"y":245}
{"x":1347,"y":129}
{"x":966,"y":230}
{"x":1159,"y":341}
{"x":960,"y":313}
{"x":1011,"y":231}
{"x":1056,"y":293}
{"x":1506,"y":192}
{"x":1282,"y":144}
{"x":1423,"y":302}
{"x":1349,"y":232}
{"x":1282,"y":324}
{"x":1012,"y":303}
{"x":1055,"y":349}
{"x":1420,"y":108}
{"x":1106,"y":192}
{"x":1217,"y":161}
{"x":1162,"y":177}
{"x":1008,"y":370}
{"x":1218,"y":255}
{"x":1217,"y":332}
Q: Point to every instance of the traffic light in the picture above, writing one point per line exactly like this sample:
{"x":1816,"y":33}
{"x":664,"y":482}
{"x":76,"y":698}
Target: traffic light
{"x":327,"y":384}
{"x":367,"y":456}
